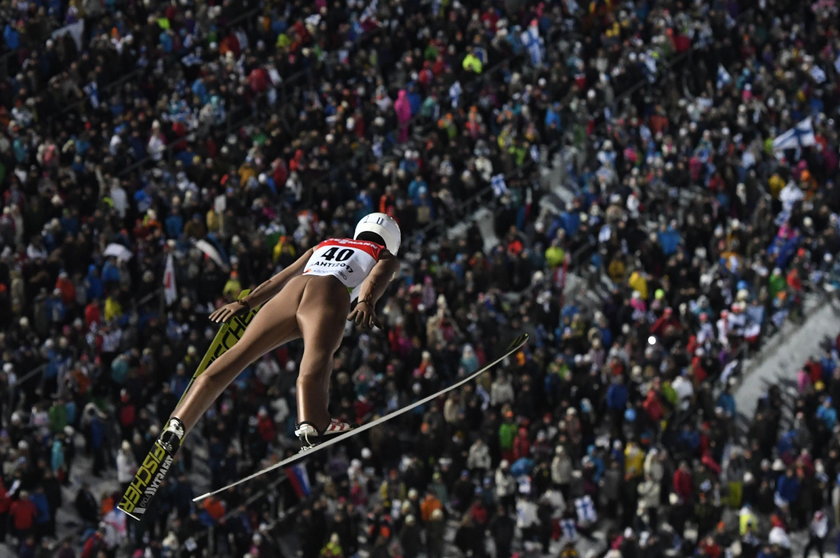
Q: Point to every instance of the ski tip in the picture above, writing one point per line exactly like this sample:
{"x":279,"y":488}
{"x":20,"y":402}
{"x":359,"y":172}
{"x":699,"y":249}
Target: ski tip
{"x":202,"y":497}
{"x":520,"y":340}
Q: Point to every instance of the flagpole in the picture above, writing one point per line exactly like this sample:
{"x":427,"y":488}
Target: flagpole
{"x":169,"y":292}
{"x":163,"y":286}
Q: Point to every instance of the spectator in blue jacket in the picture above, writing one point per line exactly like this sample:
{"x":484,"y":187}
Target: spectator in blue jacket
{"x":669,"y":239}
{"x":93,"y":282}
{"x":616,"y":400}
{"x":827,"y":414}
{"x":43,"y":519}
{"x":787,"y":490}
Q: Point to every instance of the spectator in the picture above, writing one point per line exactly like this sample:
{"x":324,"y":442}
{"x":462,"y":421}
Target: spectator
{"x":86,"y":505}
{"x":23,"y":513}
{"x":817,"y":533}
{"x":435,"y":529}
{"x":5,"y":506}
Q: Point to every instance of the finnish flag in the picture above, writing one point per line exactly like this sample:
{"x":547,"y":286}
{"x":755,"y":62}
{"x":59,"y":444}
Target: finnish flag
{"x":585,"y":509}
{"x":533,"y":42}
{"x":569,"y":529}
{"x":369,"y":13}
{"x":455,"y":94}
{"x":723,"y":77}
{"x":499,"y":186}
{"x":817,"y":73}
{"x":801,"y":135}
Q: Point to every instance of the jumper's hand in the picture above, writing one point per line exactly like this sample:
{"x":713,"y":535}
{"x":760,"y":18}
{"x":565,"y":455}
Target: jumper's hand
{"x":364,"y":315}
{"x":228,"y":311}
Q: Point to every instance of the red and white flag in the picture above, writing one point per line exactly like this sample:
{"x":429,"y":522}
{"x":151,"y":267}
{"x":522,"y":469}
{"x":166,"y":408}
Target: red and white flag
{"x":170,"y":292}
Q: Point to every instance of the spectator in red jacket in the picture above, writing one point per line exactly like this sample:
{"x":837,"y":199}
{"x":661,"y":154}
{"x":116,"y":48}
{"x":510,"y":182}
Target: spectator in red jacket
{"x":521,"y":444}
{"x":22,"y":514}
{"x":653,"y":406}
{"x":683,"y":483}
{"x":5,"y":504}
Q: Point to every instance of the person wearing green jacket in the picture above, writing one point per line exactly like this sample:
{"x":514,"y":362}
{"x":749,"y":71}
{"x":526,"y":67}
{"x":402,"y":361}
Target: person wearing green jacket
{"x":472,"y":63}
{"x":507,"y":432}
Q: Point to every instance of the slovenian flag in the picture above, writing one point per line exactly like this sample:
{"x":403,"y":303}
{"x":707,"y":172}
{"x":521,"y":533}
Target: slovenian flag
{"x":299,"y":479}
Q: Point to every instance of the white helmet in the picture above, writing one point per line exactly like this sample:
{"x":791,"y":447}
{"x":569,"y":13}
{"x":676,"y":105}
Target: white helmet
{"x":383,"y":225}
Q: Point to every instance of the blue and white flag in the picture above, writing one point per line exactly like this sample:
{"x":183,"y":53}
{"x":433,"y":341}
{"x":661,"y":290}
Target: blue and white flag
{"x":370,"y":10}
{"x":723,"y":77}
{"x":532,"y":41}
{"x":801,"y":135}
{"x":585,"y":509}
{"x":481,"y":53}
{"x":92,"y":90}
{"x":817,"y":73}
{"x":455,"y":94}
{"x":569,"y":529}
{"x":368,"y":17}
{"x":650,"y":66}
{"x":499,"y":186}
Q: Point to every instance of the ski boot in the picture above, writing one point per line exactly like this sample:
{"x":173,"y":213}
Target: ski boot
{"x":173,"y":433}
{"x":309,"y":435}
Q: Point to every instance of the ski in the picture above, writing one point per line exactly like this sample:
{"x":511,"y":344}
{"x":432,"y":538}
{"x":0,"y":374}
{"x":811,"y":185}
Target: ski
{"x":514,"y":346}
{"x":155,"y":466}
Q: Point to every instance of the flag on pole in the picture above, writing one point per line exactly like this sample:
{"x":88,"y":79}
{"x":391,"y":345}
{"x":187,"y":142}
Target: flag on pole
{"x":801,"y":135}
{"x":170,"y":292}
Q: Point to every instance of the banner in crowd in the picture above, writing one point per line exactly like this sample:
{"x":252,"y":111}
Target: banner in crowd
{"x":76,"y":30}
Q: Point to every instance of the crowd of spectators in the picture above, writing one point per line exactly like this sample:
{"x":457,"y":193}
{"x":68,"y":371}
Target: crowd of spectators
{"x":260,"y":128}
